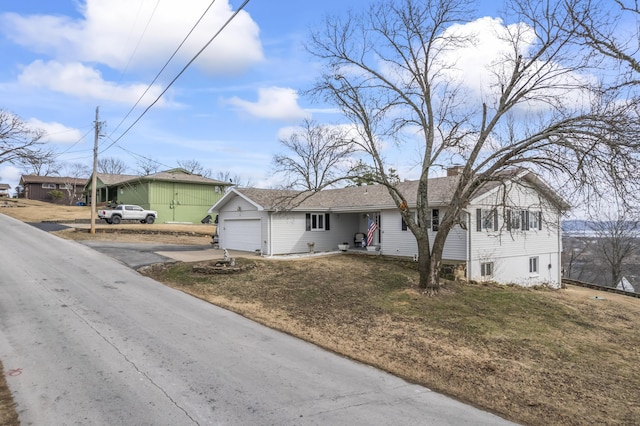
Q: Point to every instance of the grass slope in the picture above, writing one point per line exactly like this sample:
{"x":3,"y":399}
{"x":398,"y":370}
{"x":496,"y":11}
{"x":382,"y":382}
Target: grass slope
{"x":535,"y":356}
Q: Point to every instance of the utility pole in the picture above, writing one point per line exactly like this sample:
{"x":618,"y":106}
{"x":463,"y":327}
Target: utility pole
{"x":94,"y":178}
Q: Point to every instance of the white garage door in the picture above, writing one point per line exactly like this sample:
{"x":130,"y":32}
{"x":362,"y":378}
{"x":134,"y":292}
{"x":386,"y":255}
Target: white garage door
{"x":241,"y":235}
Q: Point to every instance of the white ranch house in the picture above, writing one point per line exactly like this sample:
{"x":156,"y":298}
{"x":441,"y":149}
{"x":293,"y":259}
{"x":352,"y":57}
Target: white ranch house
{"x":510,"y":233}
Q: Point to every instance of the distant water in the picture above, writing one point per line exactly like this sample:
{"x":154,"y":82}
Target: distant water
{"x":585,"y":228}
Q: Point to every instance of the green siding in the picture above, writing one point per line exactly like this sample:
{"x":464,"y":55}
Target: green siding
{"x":182,"y":202}
{"x":174,"y":201}
{"x":134,"y":193}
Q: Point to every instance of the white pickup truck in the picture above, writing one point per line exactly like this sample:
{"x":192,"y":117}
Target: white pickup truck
{"x":122,"y":212}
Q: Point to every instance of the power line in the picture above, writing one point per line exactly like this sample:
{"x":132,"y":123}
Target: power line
{"x":180,"y":73}
{"x":76,"y":142}
{"x":144,"y":31}
{"x":164,"y":66}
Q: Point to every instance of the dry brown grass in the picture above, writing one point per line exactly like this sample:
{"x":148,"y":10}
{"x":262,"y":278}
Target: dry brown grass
{"x":534,"y":356}
{"x":8,"y":414}
{"x":38,"y":211}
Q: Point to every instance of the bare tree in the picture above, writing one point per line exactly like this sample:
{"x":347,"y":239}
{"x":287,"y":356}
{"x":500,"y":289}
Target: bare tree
{"x":43,"y":162}
{"x":599,"y":26}
{"x":19,"y":143}
{"x":575,"y":252}
{"x":394,"y":73}
{"x":72,"y":173}
{"x":112,"y":166}
{"x":617,"y":240}
{"x":317,"y":156}
{"x":147,"y":166}
{"x":235,"y":179}
{"x":195,"y":167}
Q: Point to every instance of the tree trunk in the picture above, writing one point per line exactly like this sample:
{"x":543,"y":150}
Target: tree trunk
{"x":429,"y":262}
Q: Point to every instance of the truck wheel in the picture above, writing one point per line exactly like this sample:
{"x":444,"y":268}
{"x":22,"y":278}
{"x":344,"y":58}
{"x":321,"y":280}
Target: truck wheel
{"x":116,"y":220}
{"x":150,"y":220}
{"x":108,"y":221}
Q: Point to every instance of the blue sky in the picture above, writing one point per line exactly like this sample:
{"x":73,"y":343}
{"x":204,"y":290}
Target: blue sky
{"x":62,"y":59}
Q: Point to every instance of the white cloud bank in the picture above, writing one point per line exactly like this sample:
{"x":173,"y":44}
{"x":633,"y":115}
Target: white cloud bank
{"x":130,"y":37}
{"x":278,"y":103}
{"x":126,"y":34}
{"x":84,"y":82}
{"x":56,"y":132}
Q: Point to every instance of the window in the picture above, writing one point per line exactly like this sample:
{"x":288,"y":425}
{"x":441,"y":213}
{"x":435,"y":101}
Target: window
{"x":514,"y":219}
{"x":533,"y":265}
{"x":66,"y":186}
{"x":403,"y":224}
{"x":435,"y":219}
{"x":317,"y":221}
{"x":523,"y":219}
{"x":49,"y":185}
{"x":535,"y":221}
{"x":486,"y":219}
{"x":486,"y":269}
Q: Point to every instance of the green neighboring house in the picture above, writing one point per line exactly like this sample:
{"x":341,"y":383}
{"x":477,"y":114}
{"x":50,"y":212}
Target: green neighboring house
{"x":176,"y":194}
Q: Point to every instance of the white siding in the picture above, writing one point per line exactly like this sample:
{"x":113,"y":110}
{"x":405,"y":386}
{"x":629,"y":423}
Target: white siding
{"x":396,"y":242}
{"x":289,"y":234}
{"x":510,"y":250}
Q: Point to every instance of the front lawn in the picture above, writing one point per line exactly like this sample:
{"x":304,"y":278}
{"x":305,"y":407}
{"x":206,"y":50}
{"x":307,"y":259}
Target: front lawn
{"x":534,"y":356}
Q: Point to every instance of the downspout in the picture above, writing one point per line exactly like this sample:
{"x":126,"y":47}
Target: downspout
{"x":469,"y":263}
{"x":269,"y":233}
{"x":559,"y":273}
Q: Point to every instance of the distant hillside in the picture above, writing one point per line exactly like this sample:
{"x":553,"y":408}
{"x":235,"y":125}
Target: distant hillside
{"x":587,"y":227}
{"x":577,"y":226}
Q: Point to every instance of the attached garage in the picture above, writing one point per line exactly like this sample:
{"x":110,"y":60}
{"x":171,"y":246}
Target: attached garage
{"x":241,"y":234}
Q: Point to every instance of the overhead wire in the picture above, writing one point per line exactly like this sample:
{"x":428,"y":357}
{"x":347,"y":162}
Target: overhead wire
{"x":144,"y":32}
{"x":175,"y":52}
{"x":235,"y":13}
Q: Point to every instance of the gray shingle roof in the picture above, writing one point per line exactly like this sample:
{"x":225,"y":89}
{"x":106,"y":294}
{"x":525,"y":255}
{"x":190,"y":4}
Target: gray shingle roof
{"x":372,"y":197}
{"x":175,"y":175}
{"x":356,"y":198}
{"x":114,"y":179}
{"x":25,"y":179}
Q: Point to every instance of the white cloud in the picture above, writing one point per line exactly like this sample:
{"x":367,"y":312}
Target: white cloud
{"x":274,"y":102}
{"x":484,"y":65}
{"x":10,"y":175}
{"x":56,"y":132}
{"x":84,"y":82}
{"x":126,"y":34}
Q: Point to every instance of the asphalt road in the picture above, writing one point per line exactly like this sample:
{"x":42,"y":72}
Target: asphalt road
{"x":86,"y":340}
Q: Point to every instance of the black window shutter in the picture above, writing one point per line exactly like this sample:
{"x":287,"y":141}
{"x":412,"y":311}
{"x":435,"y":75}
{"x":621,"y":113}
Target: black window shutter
{"x":507,"y":219}
{"x":539,"y":221}
{"x":308,"y":221}
{"x":478,"y":220}
{"x":435,"y":219}
{"x":403,"y":226}
{"x":326,"y":221}
{"x":495,"y":220}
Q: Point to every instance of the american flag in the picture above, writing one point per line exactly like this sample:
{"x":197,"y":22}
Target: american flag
{"x":370,"y":231}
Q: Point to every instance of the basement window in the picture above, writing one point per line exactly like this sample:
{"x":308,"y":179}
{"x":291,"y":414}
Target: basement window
{"x":486,"y":269}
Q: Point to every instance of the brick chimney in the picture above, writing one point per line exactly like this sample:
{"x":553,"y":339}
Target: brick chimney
{"x":455,"y":170}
